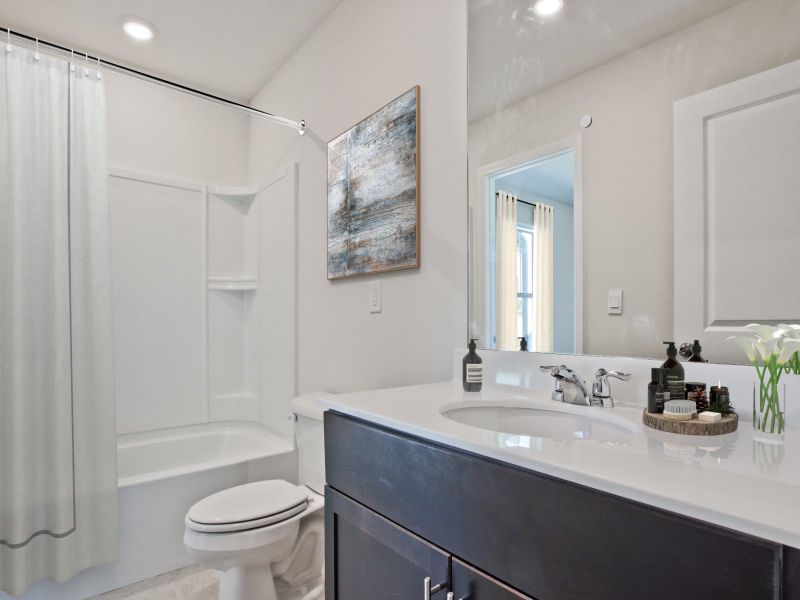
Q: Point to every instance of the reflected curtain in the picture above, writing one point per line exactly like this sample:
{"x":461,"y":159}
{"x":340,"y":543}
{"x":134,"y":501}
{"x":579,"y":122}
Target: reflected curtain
{"x":58,"y":485}
{"x":506,"y":271}
{"x":543,"y":240}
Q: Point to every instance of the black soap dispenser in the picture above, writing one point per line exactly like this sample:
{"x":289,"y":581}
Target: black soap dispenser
{"x":696,"y":350}
{"x":676,"y":380}
{"x":472,"y":370}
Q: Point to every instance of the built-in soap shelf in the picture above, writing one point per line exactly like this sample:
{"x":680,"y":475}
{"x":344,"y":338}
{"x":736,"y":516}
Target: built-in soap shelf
{"x":233,"y":284}
{"x":244,"y":193}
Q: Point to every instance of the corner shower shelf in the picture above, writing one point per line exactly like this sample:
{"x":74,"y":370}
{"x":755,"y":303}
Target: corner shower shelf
{"x":245,"y":193}
{"x":233,"y":284}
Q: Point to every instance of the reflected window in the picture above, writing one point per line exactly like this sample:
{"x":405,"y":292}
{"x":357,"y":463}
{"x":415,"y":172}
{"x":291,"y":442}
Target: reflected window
{"x":525,"y":278}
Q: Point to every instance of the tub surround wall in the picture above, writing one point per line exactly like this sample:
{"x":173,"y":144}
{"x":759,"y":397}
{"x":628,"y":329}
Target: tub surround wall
{"x":187,"y":354}
{"x":170,"y":145}
{"x":364,"y":55}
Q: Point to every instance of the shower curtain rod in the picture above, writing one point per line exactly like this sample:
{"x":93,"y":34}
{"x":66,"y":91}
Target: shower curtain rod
{"x":299,"y":126}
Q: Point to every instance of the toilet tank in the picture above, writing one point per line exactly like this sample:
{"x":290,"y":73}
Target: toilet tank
{"x":308,"y":431}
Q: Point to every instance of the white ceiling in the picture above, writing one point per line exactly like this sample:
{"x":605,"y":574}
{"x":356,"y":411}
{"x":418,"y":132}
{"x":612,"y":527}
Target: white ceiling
{"x":513,"y":53}
{"x":227,"y":47}
{"x":551,"y":178}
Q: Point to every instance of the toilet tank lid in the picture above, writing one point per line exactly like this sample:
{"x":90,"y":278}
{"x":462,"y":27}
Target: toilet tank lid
{"x":308,"y":405}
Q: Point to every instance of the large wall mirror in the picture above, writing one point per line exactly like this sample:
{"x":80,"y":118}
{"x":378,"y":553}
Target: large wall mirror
{"x":634,"y":173}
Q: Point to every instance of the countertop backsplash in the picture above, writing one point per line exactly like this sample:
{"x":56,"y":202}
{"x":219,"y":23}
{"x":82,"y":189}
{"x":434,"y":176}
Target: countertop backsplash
{"x":522,"y":369}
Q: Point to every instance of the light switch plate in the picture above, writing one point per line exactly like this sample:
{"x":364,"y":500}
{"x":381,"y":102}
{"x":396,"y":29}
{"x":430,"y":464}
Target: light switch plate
{"x":615,"y":302}
{"x":375,"y":297}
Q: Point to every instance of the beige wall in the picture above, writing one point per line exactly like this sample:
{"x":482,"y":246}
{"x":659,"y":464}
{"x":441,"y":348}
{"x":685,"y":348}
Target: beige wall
{"x":627,"y":157}
{"x":365,"y":54}
{"x":164,"y":132}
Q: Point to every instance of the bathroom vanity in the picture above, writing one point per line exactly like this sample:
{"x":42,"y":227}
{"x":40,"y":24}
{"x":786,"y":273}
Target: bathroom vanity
{"x":421,"y":497}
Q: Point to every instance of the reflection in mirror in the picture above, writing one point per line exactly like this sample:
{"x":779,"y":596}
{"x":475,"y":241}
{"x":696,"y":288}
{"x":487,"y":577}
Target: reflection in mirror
{"x":633,"y":173}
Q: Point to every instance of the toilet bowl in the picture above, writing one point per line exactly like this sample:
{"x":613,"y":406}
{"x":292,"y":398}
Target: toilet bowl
{"x":255,"y":533}
{"x":267,"y":537}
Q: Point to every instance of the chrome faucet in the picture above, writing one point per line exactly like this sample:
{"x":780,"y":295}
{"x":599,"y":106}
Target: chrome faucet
{"x":571,"y":388}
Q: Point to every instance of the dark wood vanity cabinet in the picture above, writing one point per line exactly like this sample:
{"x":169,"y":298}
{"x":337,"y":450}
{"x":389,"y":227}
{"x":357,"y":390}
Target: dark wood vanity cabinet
{"x":368,"y":556}
{"x":401,"y":508}
{"x":371,"y":557}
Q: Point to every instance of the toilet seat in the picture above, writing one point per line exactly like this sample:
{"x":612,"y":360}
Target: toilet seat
{"x":251,"y":538}
{"x":249,"y":506}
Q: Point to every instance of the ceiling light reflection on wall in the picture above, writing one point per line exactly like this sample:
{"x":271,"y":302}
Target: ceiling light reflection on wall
{"x":139,"y":29}
{"x":545,"y":8}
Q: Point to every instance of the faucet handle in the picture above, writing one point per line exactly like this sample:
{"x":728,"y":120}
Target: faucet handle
{"x":615,"y":374}
{"x":554,"y":370}
{"x":601,"y":388}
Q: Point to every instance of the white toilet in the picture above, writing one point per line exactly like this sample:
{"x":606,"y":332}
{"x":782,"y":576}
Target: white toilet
{"x":267,"y":537}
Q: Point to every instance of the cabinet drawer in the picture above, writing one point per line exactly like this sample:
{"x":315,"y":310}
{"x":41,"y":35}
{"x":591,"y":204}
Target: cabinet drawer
{"x":549,"y":538}
{"x":471,"y":584}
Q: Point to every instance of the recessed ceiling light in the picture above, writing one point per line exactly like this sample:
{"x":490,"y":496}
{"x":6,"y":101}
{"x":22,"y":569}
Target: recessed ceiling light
{"x":545,"y":8}
{"x":138,"y":29}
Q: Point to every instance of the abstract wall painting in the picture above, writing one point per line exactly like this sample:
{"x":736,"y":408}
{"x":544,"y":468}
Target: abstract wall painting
{"x":373,"y":192}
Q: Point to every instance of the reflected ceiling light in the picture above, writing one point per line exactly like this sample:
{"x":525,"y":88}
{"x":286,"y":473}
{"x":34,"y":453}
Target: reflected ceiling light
{"x":139,"y":29}
{"x":545,"y":8}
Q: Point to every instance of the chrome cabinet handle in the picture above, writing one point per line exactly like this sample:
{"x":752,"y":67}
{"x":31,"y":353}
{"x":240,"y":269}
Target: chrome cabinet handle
{"x":429,"y":589}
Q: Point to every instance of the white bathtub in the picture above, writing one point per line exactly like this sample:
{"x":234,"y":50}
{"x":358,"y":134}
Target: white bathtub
{"x":161,"y":474}
{"x":146,"y":457}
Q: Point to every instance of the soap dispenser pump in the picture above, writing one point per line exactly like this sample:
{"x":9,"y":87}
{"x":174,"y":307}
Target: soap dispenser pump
{"x":696,"y":350}
{"x":675,"y":379}
{"x":472,"y":370}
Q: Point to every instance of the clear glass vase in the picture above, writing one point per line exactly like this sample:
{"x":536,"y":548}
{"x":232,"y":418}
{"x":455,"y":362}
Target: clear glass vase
{"x":769,"y":411}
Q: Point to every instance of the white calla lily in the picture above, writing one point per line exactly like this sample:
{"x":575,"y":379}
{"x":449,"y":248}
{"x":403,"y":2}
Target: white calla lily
{"x":746,"y":343}
{"x":779,"y":351}
{"x":788,"y":349}
{"x":763,"y":332}
{"x":768,"y":348}
{"x":790,"y":331}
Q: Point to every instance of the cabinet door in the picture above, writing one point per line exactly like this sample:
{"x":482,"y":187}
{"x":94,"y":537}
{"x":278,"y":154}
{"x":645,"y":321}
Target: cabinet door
{"x":471,"y":584}
{"x":367,"y":556}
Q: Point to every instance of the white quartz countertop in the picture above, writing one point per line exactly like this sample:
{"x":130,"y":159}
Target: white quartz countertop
{"x":733,"y":480}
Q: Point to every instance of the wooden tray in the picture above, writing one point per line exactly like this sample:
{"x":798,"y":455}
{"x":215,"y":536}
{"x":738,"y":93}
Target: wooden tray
{"x":692,"y":427}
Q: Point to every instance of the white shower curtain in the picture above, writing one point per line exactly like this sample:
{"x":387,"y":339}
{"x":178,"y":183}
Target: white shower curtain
{"x":543,"y":239}
{"x":58,"y":486}
{"x":506,"y":275}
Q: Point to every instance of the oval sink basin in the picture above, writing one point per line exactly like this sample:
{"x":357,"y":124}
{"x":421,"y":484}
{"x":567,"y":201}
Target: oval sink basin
{"x":543,"y":423}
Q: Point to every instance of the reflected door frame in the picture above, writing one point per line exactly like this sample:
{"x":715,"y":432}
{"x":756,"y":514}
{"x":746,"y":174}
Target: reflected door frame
{"x":481,"y":223}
